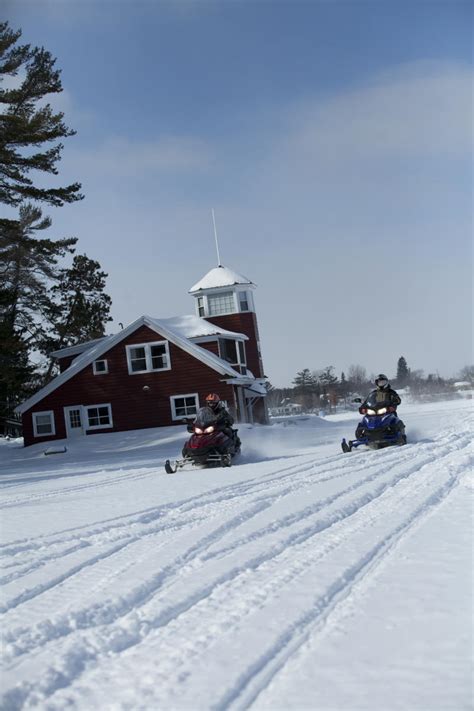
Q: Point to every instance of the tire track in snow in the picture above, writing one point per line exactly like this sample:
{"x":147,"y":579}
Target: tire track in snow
{"x":25,"y":544}
{"x":256,"y":507}
{"x":259,"y":675}
{"x":151,"y":515}
{"x":170,"y":615}
{"x":248,"y":686}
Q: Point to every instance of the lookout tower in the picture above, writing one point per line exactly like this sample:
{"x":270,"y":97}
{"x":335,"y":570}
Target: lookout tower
{"x":225,"y":298}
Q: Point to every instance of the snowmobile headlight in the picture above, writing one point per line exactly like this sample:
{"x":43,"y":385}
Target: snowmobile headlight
{"x":382,"y":411}
{"x":209,"y":429}
{"x":197,"y":430}
{"x":371,"y":412}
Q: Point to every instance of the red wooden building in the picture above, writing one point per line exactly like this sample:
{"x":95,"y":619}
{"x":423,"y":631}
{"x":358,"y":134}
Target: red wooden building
{"x":156,"y":372}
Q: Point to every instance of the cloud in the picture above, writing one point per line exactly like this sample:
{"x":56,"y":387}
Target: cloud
{"x":422,"y":109}
{"x":120,"y":157}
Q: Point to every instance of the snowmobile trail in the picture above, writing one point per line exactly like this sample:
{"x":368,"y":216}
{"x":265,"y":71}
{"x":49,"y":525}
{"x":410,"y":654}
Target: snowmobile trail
{"x":147,"y":608}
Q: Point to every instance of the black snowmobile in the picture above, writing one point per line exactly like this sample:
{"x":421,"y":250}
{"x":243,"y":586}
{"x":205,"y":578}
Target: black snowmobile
{"x":210,"y":443}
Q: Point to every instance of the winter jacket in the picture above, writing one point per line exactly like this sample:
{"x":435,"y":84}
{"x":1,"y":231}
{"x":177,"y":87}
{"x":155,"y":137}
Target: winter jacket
{"x":391,"y":397}
{"x":223,"y":417}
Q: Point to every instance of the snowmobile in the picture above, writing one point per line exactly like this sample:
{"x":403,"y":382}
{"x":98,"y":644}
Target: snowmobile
{"x":210,"y":443}
{"x":379,"y":427}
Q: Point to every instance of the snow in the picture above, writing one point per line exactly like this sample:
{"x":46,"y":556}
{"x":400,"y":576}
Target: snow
{"x":300,"y":578}
{"x":218,"y":277}
{"x":191,"y":326}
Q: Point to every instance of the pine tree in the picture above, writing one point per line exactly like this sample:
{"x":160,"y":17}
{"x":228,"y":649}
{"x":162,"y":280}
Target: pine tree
{"x":305,"y":384}
{"x":30,"y":142}
{"x":403,"y":372}
{"x":30,"y":134}
{"x":79,"y":307}
{"x":327,"y":381}
{"x":15,"y":369}
{"x":27,"y":266}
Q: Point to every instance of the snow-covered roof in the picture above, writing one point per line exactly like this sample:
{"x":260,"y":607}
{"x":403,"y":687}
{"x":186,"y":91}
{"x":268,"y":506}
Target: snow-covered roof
{"x":218,"y":277}
{"x":191,"y":326}
{"x":105,"y":344}
{"x":188,"y":326}
{"x":75,"y":350}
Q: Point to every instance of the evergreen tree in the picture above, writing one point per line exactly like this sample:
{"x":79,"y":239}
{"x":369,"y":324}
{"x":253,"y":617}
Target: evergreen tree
{"x":15,"y":370}
{"x":403,"y":373}
{"x":327,"y":378}
{"x":327,"y":381}
{"x":27,"y":266}
{"x":30,"y":142}
{"x":344,"y":387}
{"x":79,"y":307}
{"x":305,"y":386}
{"x":30,"y":134}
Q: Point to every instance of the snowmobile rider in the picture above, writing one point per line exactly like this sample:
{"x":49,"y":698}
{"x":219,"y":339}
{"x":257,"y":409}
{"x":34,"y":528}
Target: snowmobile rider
{"x":383,"y":393}
{"x":223,"y":417}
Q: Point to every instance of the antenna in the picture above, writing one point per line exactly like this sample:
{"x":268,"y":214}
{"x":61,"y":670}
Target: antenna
{"x":215,"y":237}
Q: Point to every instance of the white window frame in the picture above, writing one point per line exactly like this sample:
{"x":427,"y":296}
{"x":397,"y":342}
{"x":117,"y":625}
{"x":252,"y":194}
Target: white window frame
{"x":100,"y":372}
{"x":149,"y":363}
{"x":239,"y":361}
{"x":88,"y":426}
{"x":218,"y":294}
{"x":247,"y":299}
{"x":174,"y":416}
{"x":34,"y":415}
{"x":201,"y":305}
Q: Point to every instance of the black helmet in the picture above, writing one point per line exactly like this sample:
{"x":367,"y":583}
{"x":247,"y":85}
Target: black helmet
{"x":381,"y":381}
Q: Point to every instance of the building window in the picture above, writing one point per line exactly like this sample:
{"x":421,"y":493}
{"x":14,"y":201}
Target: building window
{"x":200,"y":306}
{"x":243,"y":301}
{"x":184,"y":406}
{"x":43,"y":423}
{"x":100,"y":366}
{"x":98,"y":416}
{"x":234,"y":353}
{"x":221,"y":303}
{"x":148,"y":357}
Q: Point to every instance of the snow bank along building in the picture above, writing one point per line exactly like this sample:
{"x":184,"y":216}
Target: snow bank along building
{"x":156,"y":372}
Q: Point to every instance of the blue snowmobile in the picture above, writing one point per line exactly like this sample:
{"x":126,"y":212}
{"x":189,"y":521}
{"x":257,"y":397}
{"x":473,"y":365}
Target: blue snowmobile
{"x":379,"y":427}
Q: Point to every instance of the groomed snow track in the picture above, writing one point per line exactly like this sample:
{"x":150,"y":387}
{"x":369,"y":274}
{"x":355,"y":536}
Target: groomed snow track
{"x":148,"y":609}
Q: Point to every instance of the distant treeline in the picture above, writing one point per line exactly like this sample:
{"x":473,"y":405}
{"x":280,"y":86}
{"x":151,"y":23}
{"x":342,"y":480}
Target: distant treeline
{"x":323,"y":389}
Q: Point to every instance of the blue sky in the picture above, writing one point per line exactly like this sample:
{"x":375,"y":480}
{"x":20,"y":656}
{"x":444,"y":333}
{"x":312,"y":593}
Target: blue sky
{"x":333,"y":140}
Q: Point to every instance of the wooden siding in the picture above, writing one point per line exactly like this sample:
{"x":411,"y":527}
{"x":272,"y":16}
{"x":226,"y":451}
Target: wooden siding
{"x":212,"y":346}
{"x":243,"y":323}
{"x":132,"y":407}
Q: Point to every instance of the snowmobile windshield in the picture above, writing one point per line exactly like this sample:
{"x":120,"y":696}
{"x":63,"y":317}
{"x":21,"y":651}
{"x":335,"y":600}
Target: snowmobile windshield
{"x":376,"y":399}
{"x":205,"y":416}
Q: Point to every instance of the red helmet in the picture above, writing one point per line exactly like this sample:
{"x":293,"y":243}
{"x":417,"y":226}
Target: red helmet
{"x":212,"y":400}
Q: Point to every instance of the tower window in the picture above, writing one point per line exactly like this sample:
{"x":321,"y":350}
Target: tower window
{"x":221,"y":303}
{"x":243,"y":300}
{"x":200,"y":305}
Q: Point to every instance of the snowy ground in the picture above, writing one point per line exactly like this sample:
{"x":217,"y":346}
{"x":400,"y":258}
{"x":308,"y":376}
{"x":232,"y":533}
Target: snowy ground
{"x":301,"y":578}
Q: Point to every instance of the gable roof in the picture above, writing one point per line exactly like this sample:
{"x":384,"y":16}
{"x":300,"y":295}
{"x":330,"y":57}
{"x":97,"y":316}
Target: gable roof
{"x":105,"y":344}
{"x":188,"y":326}
{"x":218,"y":277}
